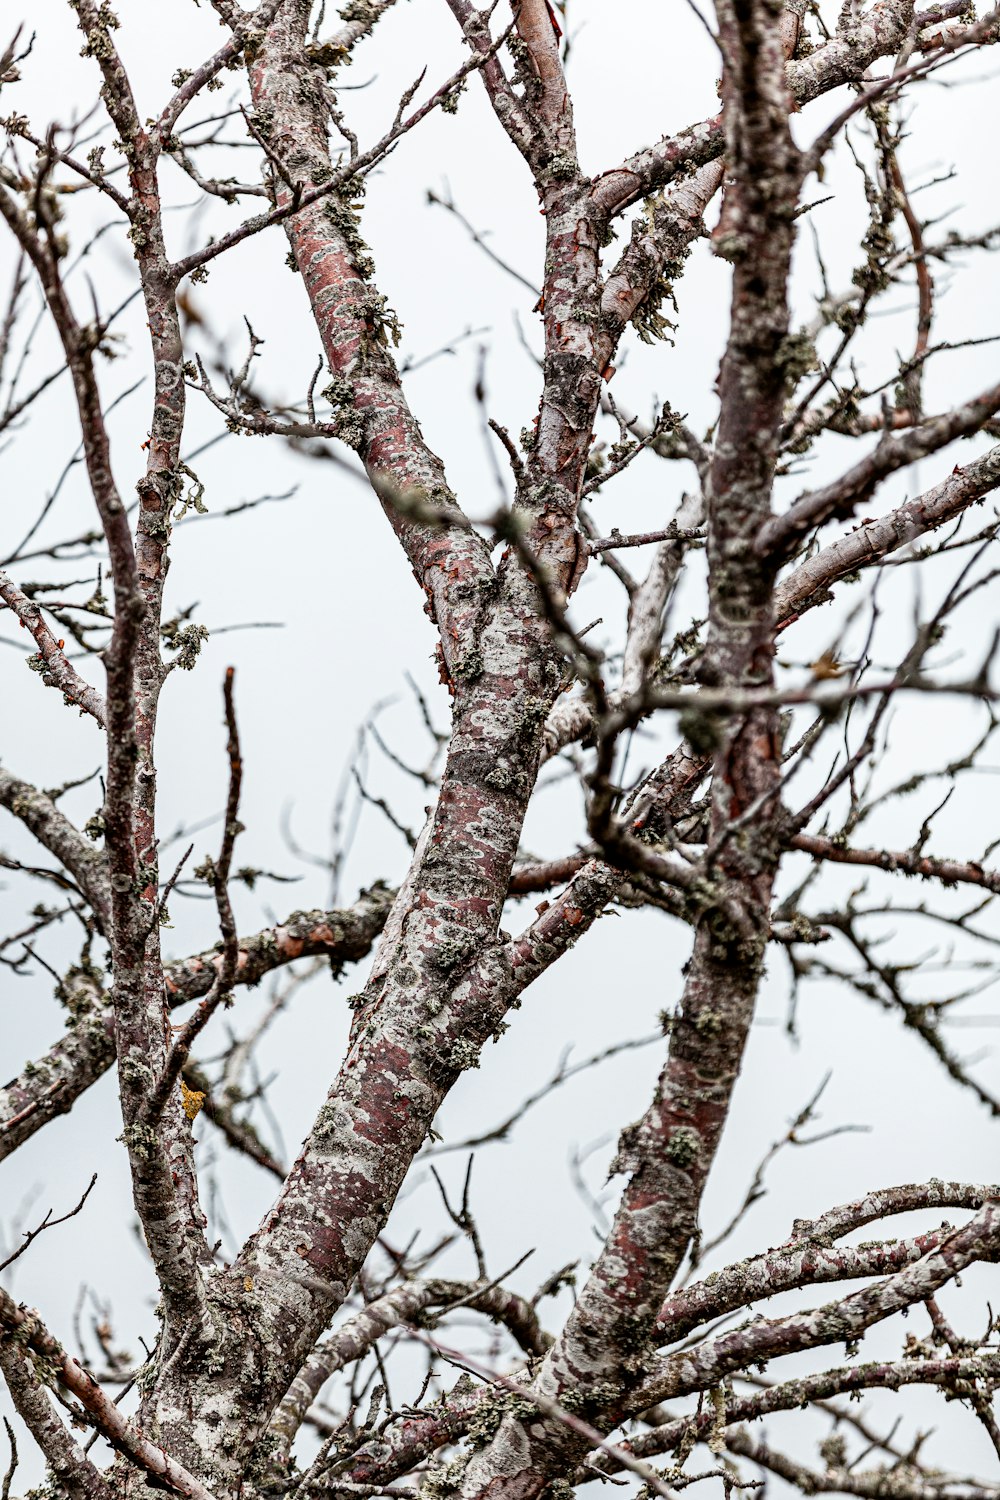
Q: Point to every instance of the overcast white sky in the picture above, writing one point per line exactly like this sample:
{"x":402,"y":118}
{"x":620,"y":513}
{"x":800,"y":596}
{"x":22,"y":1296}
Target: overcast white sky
{"x":325,"y":565}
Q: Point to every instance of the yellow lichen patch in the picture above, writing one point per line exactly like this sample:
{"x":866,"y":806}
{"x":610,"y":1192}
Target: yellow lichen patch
{"x":193,"y":1100}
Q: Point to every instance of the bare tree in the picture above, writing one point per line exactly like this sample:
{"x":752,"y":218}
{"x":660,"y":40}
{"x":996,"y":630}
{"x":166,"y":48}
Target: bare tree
{"x":270,"y":1373}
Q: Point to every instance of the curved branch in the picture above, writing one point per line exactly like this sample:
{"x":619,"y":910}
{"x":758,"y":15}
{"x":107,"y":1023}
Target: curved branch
{"x":839,"y":1322}
{"x":894,"y":451}
{"x":899,"y":861}
{"x":879,"y":32}
{"x":404,"y":1304}
{"x":51,"y":1085}
{"x":451,"y":562}
{"x":56,"y":671}
{"x":874,"y":538}
{"x":841,"y":1480}
{"x":60,"y":837}
{"x":788,"y":1395}
{"x":80,"y":1479}
{"x":809,"y":1259}
{"x":113,"y":1426}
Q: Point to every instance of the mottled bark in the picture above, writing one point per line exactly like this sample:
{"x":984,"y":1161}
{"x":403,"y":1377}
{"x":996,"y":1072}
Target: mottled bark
{"x":54,"y":831}
{"x":245,"y":1349}
{"x":441,"y":982}
{"x":51,"y":1085}
{"x":669,"y":1152}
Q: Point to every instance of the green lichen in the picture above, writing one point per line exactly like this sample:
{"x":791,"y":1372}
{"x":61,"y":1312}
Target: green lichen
{"x":493,"y":1411}
{"x":731,"y":245}
{"x":702,"y":728}
{"x":533,"y":713}
{"x":443,"y":1480}
{"x":449,"y":102}
{"x":343,"y":210}
{"x":185,"y":641}
{"x":709,"y":1023}
{"x":796,"y":357}
{"x":463,"y":1054}
{"x":364,"y":12}
{"x":98,"y":42}
{"x":468,"y":666}
{"x":349,"y":424}
{"x":649,"y":320}
{"x":141,"y":1140}
{"x":833,"y":1451}
{"x":179,"y":501}
{"x":563,"y":166}
{"x":683,"y":1148}
{"x":450,"y":952}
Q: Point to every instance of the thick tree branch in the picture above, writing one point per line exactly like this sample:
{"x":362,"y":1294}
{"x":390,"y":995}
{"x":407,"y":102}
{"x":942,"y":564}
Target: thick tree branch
{"x":60,"y":837}
{"x":874,"y":538}
{"x":67,"y":1463}
{"x":51,"y":1085}
{"x":788,"y":1395}
{"x":842,"y":1321}
{"x":669,"y":1153}
{"x":807,"y":1260}
{"x":162,"y":1162}
{"x":105,"y":1416}
{"x":838,"y":1480}
{"x":52,"y":664}
{"x":894,"y":451}
{"x":355,"y":326}
{"x":879,"y":32}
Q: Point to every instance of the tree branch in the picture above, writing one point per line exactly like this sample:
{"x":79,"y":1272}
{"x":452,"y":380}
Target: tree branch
{"x":100,"y":1411}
